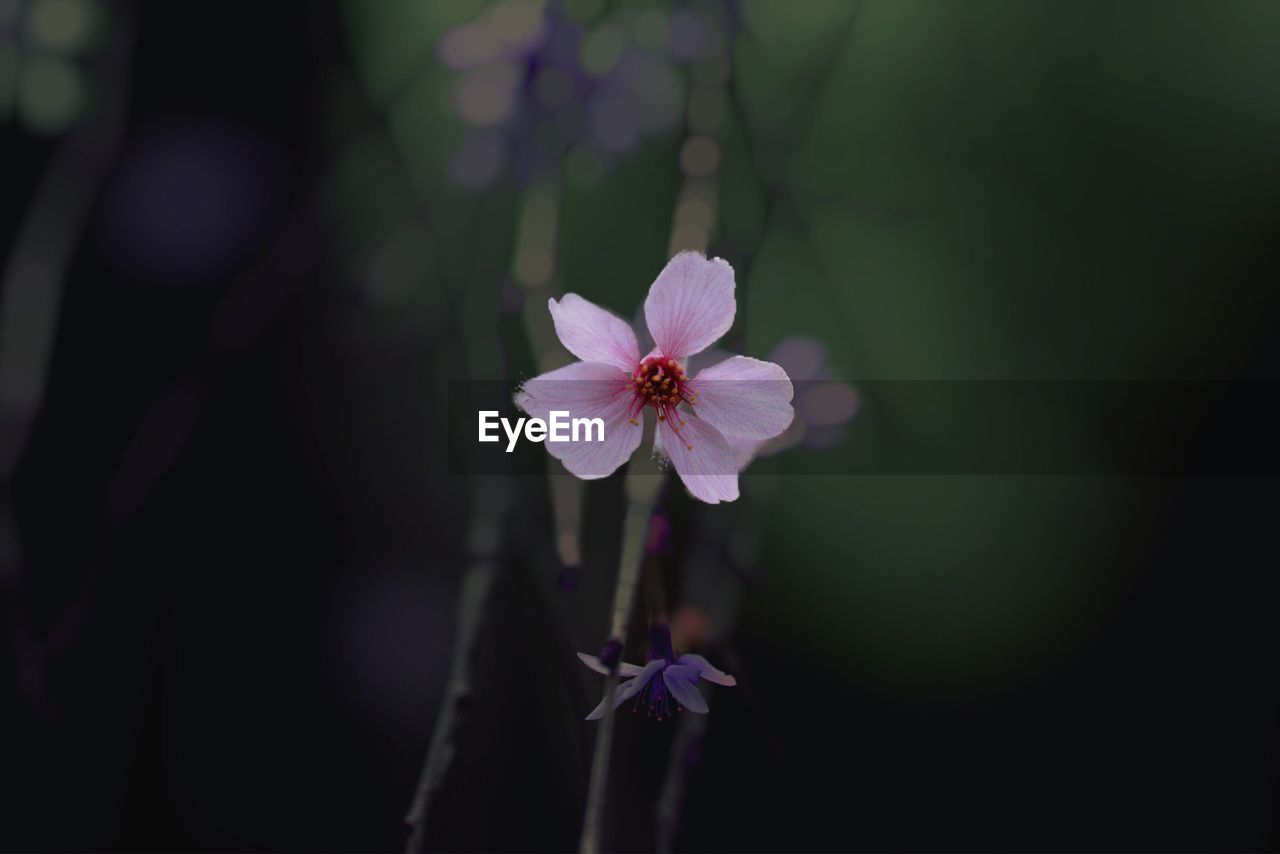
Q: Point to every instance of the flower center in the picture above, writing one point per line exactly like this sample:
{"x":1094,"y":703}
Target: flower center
{"x":654,"y":699}
{"x":661,"y":382}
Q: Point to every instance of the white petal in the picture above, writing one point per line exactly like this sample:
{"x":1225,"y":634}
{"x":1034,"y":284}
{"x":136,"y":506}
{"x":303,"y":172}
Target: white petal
{"x":690,"y":305}
{"x":681,"y":682}
{"x":744,"y":450}
{"x":703,"y":459}
{"x":626,"y":690}
{"x":706,"y":669}
{"x":586,"y":390}
{"x":593,"y":334}
{"x":595,"y":664}
{"x":746,"y":397}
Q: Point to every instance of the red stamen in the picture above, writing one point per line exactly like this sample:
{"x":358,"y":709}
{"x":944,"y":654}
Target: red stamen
{"x":660,"y":382}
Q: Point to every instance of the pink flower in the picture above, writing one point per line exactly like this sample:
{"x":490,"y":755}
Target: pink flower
{"x":699,"y":419}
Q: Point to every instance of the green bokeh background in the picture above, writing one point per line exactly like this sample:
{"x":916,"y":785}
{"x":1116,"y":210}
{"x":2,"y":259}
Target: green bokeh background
{"x":238,"y":493}
{"x":986,"y":190}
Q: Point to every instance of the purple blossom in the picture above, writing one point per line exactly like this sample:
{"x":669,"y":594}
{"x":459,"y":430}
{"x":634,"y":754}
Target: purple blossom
{"x":663,"y":678}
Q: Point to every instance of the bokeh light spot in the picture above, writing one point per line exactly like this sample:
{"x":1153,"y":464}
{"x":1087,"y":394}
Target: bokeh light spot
{"x":50,"y":94}
{"x":584,"y":167}
{"x":188,"y":202}
{"x":612,"y":123}
{"x":829,"y":403}
{"x":582,"y":11}
{"x":479,"y":160}
{"x":602,"y":49}
{"x":517,"y":22}
{"x":687,"y":36}
{"x":470,"y":45}
{"x":650,"y":29}
{"x":60,"y":25}
{"x":486,"y":96}
{"x":801,"y":356}
{"x":658,"y":93}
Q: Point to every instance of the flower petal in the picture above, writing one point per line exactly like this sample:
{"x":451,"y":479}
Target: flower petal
{"x":746,"y":397}
{"x":624,"y":668}
{"x":681,"y":683}
{"x":626,"y":690}
{"x":702,"y":458}
{"x":690,"y":305}
{"x":706,"y":669}
{"x":593,"y":334}
{"x":586,"y":390}
{"x":744,"y":450}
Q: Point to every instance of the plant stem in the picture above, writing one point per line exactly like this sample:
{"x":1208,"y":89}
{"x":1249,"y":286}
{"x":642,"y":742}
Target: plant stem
{"x":490,"y":500}
{"x":689,"y":732}
{"x":643,"y":485}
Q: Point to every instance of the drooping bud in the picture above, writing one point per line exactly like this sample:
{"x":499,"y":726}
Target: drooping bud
{"x":660,"y":643}
{"x":610,"y":654}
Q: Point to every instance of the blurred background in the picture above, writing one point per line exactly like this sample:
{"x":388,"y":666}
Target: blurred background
{"x":247,"y":246}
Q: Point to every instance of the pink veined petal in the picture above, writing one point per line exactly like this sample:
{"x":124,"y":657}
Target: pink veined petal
{"x":706,"y":669}
{"x":746,"y":397}
{"x":593,"y":334}
{"x":682,"y":683}
{"x":628,"y":689}
{"x":690,"y":305}
{"x":624,"y":669}
{"x":703,"y":459}
{"x":744,"y":450}
{"x":586,"y":390}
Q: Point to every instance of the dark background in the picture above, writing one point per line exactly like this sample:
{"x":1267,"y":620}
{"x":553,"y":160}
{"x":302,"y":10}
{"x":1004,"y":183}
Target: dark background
{"x":232,"y":542}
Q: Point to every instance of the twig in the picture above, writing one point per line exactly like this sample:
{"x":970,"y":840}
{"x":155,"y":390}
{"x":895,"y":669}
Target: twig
{"x":489,"y":503}
{"x":691,"y":729}
{"x":689,"y":732}
{"x":643,"y":484}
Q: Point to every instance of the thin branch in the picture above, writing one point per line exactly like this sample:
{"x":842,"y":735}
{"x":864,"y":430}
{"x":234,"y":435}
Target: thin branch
{"x":691,"y":729}
{"x":689,"y":732}
{"x":489,"y":504}
{"x":643,"y":485}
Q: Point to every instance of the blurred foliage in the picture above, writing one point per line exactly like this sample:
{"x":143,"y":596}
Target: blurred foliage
{"x":41,"y":81}
{"x":976,"y":200}
{"x":998,"y":189}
